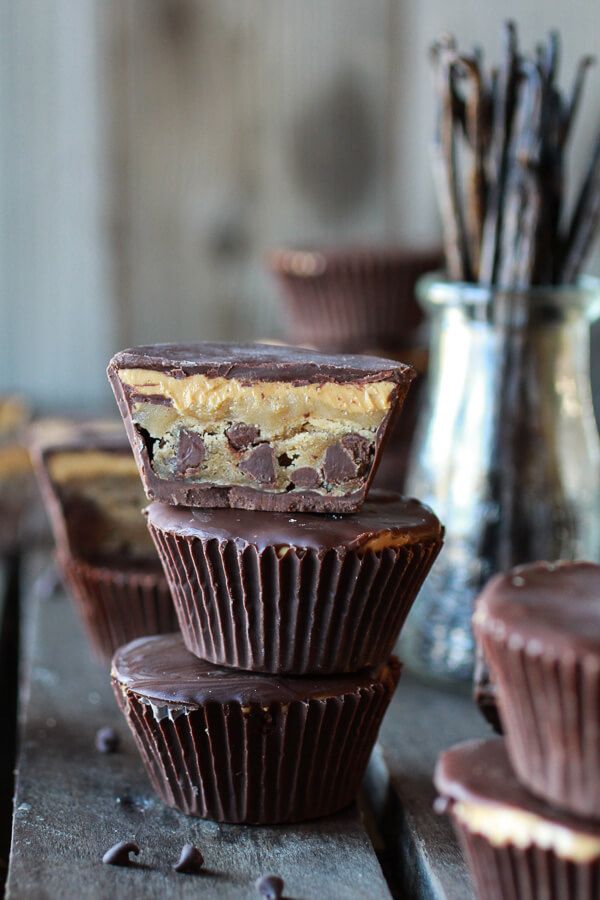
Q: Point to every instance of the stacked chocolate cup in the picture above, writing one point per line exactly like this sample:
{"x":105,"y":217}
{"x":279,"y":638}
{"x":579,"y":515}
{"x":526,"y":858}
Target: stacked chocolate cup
{"x":92,"y":494}
{"x":527,"y":807}
{"x":290,"y":583}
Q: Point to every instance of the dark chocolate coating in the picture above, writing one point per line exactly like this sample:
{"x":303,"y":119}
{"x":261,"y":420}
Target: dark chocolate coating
{"x":259,"y":362}
{"x":384,"y":511}
{"x":480,"y":772}
{"x":160,"y":668}
{"x":557,"y":604}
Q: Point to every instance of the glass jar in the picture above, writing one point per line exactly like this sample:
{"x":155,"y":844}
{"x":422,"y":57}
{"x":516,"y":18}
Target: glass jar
{"x":506,"y":451}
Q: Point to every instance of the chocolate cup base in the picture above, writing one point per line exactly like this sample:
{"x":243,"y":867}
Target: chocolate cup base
{"x":512,"y":873}
{"x":549,"y":710}
{"x":308,"y":612}
{"x":255,"y":765}
{"x":116,"y":606}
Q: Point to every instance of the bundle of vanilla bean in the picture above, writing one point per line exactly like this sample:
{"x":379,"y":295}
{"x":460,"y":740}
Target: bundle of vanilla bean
{"x":499,"y":156}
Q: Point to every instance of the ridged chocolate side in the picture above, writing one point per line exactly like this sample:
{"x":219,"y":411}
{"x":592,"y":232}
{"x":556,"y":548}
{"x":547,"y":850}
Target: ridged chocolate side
{"x":511,"y":873}
{"x":233,"y":763}
{"x":117,"y":606}
{"x":308,"y":612}
{"x":550,"y":710}
{"x":353,"y":300}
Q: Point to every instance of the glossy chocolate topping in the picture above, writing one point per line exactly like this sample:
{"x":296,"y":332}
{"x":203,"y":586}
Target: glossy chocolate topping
{"x":557,"y":604}
{"x":383,"y":512}
{"x":160,"y":668}
{"x":259,"y":362}
{"x":480,"y":772}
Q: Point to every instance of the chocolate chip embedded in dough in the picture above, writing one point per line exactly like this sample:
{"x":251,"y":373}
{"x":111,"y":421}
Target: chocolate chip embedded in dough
{"x":260,"y":464}
{"x":305,"y":477}
{"x":339,"y":465}
{"x":191,"y":451}
{"x":242,"y":436}
{"x":360,"y":449}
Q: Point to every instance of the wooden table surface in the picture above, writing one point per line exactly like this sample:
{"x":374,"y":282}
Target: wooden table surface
{"x":73,"y":803}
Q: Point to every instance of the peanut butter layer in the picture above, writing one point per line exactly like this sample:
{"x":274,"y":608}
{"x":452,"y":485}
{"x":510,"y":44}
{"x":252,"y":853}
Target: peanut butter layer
{"x":268,"y":420}
{"x":94,"y":464}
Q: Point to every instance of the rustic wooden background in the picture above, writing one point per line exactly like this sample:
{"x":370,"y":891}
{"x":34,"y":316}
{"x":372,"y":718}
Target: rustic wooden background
{"x":151,"y":150}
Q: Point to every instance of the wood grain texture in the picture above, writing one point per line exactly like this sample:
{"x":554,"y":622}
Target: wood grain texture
{"x":73,"y":803}
{"x":420,"y":723}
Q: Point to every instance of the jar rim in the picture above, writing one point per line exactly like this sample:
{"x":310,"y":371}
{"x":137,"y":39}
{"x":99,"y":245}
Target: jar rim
{"x":435,"y":289}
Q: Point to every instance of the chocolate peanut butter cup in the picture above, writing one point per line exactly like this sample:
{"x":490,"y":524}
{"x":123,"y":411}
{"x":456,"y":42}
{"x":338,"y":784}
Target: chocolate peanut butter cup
{"x":94,"y":498}
{"x":118,"y":602}
{"x":255,"y":426}
{"x":91,"y":489}
{"x":539,"y":626}
{"x":352,"y":298}
{"x":243,"y":747}
{"x":516,"y":845}
{"x":298,"y":594}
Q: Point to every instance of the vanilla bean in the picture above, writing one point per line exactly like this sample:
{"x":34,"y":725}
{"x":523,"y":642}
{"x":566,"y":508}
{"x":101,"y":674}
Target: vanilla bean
{"x":576,"y":92}
{"x":445,"y":168}
{"x":474,"y":129}
{"x":509,"y":128}
{"x":585,"y":222}
{"x":502,"y":115}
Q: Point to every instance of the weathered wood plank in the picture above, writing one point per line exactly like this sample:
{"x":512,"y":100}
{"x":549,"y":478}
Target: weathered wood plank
{"x":421,"y":722}
{"x":73,"y":803}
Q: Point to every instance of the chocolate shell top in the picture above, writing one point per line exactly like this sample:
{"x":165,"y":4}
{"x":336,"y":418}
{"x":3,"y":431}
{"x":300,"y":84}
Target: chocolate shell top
{"x":480,"y":772}
{"x":160,"y":668}
{"x":382,"y":512}
{"x":557,"y":605}
{"x":259,"y":362}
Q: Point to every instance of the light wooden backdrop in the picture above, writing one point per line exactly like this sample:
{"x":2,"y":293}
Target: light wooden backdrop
{"x":152,"y":150}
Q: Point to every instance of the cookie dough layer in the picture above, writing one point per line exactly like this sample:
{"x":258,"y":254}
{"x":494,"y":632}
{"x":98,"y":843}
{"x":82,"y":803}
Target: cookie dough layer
{"x":272,"y":420}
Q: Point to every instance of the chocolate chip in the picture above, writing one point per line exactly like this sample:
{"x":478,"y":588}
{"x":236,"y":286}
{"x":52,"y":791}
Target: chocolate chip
{"x":107,"y":740}
{"x":191,"y":451}
{"x":284,"y":460}
{"x":306,"y":477}
{"x":241,"y":436}
{"x":119,"y":854}
{"x":339,"y":465}
{"x":260,"y":464}
{"x":270,"y":887}
{"x":360,"y":449}
{"x":191,"y":860}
